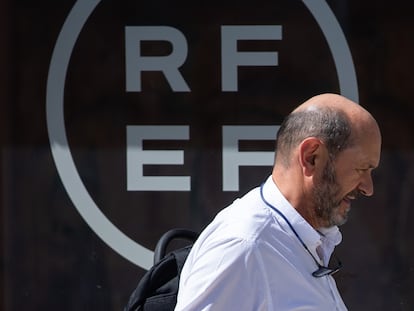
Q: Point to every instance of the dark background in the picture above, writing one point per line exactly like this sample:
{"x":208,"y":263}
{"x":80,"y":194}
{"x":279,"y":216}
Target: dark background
{"x":51,"y":259}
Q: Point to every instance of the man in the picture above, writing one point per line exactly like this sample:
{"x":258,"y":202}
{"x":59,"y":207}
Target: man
{"x":270,"y":249}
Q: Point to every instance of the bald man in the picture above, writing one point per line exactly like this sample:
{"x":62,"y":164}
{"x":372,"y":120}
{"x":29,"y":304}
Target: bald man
{"x":271,"y":249}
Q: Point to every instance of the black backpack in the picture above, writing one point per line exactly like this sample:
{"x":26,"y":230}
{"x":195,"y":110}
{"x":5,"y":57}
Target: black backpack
{"x":157,"y":290}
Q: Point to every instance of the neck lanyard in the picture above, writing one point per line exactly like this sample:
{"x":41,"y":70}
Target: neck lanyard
{"x":322,"y":270}
{"x":288,"y":222}
{"x":285,"y":219}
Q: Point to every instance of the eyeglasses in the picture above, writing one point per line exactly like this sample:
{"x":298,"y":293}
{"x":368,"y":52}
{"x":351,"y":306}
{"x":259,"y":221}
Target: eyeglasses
{"x":322,"y":270}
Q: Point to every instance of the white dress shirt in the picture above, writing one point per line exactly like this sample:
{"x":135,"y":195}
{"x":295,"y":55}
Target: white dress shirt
{"x":248,"y":258}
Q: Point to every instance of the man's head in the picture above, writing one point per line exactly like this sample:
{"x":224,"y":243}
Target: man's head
{"x":325,"y":153}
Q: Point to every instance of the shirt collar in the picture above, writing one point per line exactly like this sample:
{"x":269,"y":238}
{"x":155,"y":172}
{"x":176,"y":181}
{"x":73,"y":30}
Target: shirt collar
{"x":328,"y":238}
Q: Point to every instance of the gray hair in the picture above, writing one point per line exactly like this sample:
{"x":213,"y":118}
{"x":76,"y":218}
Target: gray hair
{"x":331,"y":126}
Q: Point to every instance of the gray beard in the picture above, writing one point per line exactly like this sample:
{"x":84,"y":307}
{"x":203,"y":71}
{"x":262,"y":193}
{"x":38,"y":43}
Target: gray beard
{"x":325,"y":192}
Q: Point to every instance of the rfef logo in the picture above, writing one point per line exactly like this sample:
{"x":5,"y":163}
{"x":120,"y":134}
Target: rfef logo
{"x":171,"y":51}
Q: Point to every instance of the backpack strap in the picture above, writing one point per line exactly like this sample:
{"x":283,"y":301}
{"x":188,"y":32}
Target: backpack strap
{"x":158,"y":288}
{"x":167,"y":237}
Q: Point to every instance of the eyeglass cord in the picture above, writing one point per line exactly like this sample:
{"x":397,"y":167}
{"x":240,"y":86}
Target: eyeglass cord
{"x":315,"y":274}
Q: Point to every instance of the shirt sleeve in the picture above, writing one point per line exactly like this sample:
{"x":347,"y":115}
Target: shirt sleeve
{"x":223,"y":275}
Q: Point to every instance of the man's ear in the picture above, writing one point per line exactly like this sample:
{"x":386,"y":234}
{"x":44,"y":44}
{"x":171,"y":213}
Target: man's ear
{"x":309,"y":155}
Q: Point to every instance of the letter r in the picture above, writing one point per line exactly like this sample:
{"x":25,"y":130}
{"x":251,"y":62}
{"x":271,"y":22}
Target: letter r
{"x":136,"y":63}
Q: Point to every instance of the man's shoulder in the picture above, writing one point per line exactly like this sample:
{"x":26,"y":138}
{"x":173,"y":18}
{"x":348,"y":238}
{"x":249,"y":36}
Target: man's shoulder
{"x":246,"y":219}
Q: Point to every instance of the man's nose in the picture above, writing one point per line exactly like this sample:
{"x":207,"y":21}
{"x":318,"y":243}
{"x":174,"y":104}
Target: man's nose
{"x":366,"y":187}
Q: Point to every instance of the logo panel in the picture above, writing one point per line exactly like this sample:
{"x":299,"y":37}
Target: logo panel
{"x":234,"y":62}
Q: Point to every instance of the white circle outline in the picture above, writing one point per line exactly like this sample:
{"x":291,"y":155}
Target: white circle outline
{"x":61,"y":153}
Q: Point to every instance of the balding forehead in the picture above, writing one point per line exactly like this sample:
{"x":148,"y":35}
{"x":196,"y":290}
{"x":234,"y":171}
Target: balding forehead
{"x":354,"y":111}
{"x":334,"y":101}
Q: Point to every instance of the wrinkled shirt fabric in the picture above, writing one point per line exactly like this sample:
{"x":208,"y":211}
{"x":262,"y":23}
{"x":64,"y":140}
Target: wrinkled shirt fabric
{"x":248,"y":258}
